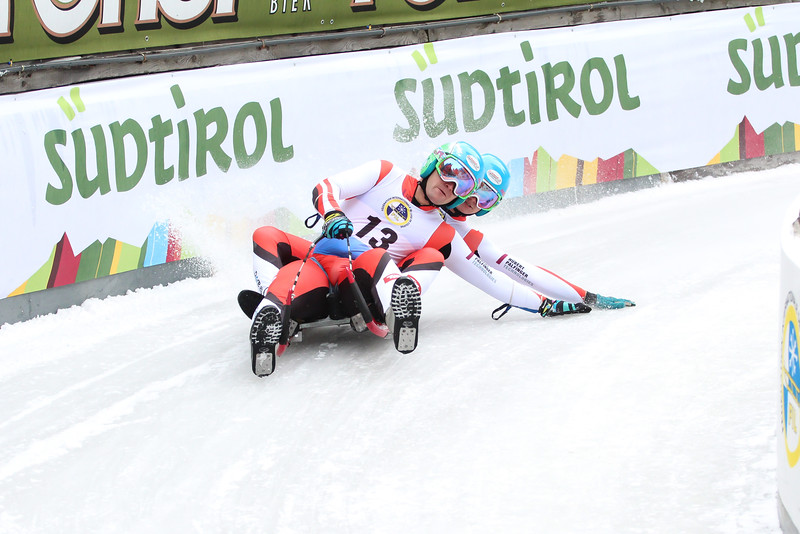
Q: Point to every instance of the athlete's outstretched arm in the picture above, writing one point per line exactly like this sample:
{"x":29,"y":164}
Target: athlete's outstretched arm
{"x":538,"y":278}
{"x":546,"y":282}
{"x":467,"y":265}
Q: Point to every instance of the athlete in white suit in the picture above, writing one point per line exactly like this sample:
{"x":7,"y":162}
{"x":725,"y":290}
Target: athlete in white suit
{"x":401,"y":242}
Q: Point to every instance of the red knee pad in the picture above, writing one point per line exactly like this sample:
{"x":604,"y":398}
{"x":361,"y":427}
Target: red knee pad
{"x":424,"y":259}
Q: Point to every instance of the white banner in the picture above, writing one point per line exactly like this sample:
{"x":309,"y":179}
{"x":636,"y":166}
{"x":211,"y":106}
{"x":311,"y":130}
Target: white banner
{"x":564,"y":107}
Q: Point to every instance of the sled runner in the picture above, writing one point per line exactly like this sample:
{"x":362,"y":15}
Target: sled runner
{"x":249,"y":300}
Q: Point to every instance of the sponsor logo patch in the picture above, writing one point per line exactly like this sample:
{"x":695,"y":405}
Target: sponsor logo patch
{"x":397,"y":211}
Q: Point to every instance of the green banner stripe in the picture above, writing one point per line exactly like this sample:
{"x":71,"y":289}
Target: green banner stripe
{"x":773,"y":140}
{"x":128,"y":258}
{"x":90,"y":258}
{"x":40,"y":278}
{"x":106,"y":258}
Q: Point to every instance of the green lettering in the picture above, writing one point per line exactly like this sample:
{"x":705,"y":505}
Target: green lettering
{"x":533,"y":98}
{"x":409,"y":133}
{"x":177,"y":96}
{"x":560,"y":93}
{"x":776,"y":78}
{"x":211,"y":145}
{"x":432,"y":127}
{"x":183,"y":137}
{"x":183,"y":149}
{"x":244,"y":159}
{"x":743,"y":85}
{"x":505,"y":84}
{"x":119,"y":131}
{"x":54,"y":195}
{"x":598,"y":65}
{"x":157,"y":134}
{"x":280,"y":153}
{"x":625,"y":100}
{"x":467,"y":81}
{"x":100,"y":182}
{"x":792,"y":40}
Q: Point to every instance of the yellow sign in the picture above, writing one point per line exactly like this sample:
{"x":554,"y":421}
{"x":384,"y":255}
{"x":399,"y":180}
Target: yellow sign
{"x":790,"y":378}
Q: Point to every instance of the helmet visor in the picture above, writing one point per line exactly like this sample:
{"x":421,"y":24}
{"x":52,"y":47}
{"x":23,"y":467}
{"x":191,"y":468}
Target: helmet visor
{"x":452,"y":170}
{"x":487,"y":196}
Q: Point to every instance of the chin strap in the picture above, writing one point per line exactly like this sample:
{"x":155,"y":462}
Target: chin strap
{"x":423,"y":183}
{"x":454,"y":212}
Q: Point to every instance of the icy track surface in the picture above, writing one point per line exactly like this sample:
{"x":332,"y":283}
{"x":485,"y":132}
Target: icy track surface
{"x":140,"y":413}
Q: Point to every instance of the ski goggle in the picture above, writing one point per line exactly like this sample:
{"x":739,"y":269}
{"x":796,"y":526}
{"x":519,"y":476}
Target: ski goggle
{"x":487,"y":196}
{"x":452,"y":170}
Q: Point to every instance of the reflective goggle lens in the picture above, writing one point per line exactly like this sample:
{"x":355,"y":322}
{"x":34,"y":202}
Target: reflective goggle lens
{"x":453,"y":171}
{"x":487,"y":196}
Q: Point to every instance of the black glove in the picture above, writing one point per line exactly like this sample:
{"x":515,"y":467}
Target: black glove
{"x":337,"y":225}
{"x":552,"y":308}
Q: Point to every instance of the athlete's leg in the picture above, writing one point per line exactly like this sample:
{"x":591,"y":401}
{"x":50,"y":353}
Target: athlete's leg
{"x":375,"y":273}
{"x":309,"y":300}
{"x":273,"y":249}
{"x":304,"y":301}
{"x":423,"y":267}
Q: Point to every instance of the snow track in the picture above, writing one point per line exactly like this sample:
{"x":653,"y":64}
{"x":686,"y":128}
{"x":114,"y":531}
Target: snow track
{"x":140,"y":413}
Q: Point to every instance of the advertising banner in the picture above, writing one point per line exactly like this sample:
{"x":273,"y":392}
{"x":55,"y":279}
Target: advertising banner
{"x":40,"y":29}
{"x":98,"y":178}
{"x":789,"y":399}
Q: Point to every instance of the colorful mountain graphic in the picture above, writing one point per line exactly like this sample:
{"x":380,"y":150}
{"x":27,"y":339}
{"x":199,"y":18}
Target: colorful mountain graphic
{"x":747,"y":144}
{"x":163,"y":245}
{"x":542,"y":173}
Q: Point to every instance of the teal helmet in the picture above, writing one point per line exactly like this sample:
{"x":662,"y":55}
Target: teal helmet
{"x":465,"y":159}
{"x":493,"y":187}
